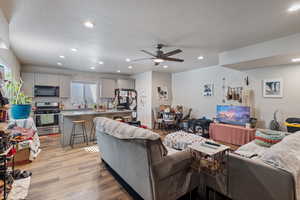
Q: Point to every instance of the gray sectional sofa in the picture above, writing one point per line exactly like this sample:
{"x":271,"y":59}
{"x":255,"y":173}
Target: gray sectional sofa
{"x":140,"y":159}
{"x":251,"y":179}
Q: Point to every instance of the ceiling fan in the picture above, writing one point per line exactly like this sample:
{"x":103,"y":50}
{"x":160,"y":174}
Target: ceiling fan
{"x":159,"y":56}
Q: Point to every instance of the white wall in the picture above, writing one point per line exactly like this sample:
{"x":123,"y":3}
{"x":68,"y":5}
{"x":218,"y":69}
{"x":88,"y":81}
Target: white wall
{"x":187,"y":90}
{"x":143,"y":86}
{"x":164,"y":80}
{"x":7,"y":57}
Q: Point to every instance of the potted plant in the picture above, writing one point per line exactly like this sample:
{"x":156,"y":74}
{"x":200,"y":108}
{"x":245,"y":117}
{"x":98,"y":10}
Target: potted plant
{"x":20,"y":103}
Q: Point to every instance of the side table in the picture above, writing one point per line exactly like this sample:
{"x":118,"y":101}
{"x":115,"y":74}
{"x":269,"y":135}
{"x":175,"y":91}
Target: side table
{"x":210,"y":158}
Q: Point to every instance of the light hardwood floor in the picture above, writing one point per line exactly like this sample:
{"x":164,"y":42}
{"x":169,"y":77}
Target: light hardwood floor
{"x":70,"y":174}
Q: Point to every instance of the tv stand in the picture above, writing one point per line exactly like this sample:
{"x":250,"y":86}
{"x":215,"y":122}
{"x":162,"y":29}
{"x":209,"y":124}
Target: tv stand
{"x":231,"y":134}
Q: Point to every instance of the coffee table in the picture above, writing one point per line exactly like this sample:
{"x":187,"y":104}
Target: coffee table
{"x":210,"y":160}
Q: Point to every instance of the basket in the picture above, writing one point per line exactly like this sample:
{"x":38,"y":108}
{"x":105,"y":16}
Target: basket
{"x":292,"y":124}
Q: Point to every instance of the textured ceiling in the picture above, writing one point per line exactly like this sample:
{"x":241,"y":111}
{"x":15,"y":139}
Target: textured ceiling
{"x":42,"y":30}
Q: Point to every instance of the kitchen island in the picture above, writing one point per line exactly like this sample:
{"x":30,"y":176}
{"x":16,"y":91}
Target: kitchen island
{"x":88,"y":115}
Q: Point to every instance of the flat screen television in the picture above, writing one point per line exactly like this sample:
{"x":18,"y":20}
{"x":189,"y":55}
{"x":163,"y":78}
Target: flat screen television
{"x":237,"y":115}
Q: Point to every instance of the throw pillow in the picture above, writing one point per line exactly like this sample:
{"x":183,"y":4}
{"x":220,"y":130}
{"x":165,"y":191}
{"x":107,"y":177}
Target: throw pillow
{"x":267,"y":138}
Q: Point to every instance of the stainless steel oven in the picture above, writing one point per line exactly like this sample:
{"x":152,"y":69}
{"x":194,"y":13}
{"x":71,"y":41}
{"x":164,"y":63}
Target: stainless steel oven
{"x":46,"y":91}
{"x":47,"y":117}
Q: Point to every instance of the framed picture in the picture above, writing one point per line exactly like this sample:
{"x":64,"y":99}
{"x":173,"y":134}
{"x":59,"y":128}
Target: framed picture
{"x":162,"y":93}
{"x":273,"y":88}
{"x":208,"y":90}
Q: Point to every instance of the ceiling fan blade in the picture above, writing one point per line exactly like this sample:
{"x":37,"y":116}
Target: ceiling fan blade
{"x":173,"y":59}
{"x":140,"y":59}
{"x":147,"y":52}
{"x":171,"y":53}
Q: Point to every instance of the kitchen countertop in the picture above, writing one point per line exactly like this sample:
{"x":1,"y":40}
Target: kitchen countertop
{"x":91,"y":112}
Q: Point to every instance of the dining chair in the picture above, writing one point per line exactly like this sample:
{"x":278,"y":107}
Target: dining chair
{"x":158,"y":121}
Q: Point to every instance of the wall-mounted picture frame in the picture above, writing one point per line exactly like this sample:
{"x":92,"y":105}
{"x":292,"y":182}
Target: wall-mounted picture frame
{"x":162,"y":93}
{"x":208,"y":90}
{"x":273,"y":88}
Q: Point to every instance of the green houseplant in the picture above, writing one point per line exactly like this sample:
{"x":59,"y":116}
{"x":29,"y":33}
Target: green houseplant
{"x":20,"y":103}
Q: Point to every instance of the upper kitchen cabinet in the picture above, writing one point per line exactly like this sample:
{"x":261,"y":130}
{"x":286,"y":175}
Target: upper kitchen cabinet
{"x":28,"y":83}
{"x":65,"y":86}
{"x":125,"y":83}
{"x":107,"y":88}
{"x":47,"y":79}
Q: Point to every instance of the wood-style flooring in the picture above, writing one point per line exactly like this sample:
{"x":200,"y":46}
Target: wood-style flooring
{"x":70,"y":174}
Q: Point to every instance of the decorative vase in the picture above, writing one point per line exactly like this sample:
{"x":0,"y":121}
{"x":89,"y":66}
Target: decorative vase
{"x":20,"y":111}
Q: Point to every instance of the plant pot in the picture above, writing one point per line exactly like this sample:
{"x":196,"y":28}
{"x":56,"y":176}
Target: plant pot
{"x":20,"y":111}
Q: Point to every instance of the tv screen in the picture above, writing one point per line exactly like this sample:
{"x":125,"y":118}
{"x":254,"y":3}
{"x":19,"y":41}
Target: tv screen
{"x":238,"y":115}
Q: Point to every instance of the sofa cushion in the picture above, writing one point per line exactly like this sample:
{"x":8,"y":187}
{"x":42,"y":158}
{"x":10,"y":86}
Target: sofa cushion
{"x":267,"y":138}
{"x":251,"y":150}
{"x":122,"y":130}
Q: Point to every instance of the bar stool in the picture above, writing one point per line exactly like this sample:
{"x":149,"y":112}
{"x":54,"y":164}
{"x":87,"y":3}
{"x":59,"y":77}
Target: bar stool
{"x":74,"y":134}
{"x":93,"y":132}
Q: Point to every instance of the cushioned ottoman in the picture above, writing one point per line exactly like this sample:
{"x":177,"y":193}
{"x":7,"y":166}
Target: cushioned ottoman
{"x":180,"y":140}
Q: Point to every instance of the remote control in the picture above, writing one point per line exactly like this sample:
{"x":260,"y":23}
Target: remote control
{"x":212,"y":143}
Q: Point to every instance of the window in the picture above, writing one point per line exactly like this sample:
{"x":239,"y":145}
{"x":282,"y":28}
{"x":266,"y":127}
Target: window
{"x":6,"y":72}
{"x":82,"y":93}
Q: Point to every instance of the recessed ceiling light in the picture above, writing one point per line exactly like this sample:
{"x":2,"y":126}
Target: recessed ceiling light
{"x":128,"y":60}
{"x":89,"y":24}
{"x":59,"y":64}
{"x":200,"y":57}
{"x":165,"y":66}
{"x":62,"y":57}
{"x":118,"y":71}
{"x":92,"y":67}
{"x":158,"y":60}
{"x":294,"y":8}
{"x":130,"y":67}
{"x":74,"y":50}
{"x":101,"y":62}
{"x":296,"y":60}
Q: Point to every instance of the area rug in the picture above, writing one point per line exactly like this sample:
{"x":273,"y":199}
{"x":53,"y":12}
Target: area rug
{"x":19,"y":189}
{"x":92,"y":149}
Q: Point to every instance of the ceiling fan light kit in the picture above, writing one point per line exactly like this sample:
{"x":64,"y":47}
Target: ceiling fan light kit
{"x":158,"y":60}
{"x":159,"y":56}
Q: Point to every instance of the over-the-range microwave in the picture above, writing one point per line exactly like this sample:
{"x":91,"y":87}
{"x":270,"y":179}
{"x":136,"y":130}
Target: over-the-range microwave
{"x":46,"y":91}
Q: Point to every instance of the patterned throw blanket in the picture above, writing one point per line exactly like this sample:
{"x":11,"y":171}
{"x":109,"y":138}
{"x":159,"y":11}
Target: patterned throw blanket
{"x":123,"y":131}
{"x":34,"y":142}
{"x":286,"y":156}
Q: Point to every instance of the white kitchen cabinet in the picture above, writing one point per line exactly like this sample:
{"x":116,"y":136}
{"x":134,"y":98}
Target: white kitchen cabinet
{"x":28,"y":83}
{"x":47,"y":79}
{"x":107,"y":88}
{"x":65,"y":86}
{"x":125,"y":83}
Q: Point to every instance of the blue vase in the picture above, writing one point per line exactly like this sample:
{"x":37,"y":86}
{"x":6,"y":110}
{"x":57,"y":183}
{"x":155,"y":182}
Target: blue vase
{"x":20,"y":111}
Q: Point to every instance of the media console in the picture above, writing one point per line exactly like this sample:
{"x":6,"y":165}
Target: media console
{"x":231,"y":134}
